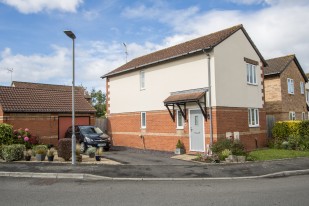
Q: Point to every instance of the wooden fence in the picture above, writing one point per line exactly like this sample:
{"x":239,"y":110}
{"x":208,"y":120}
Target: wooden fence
{"x":101,"y":123}
{"x":270,"y":121}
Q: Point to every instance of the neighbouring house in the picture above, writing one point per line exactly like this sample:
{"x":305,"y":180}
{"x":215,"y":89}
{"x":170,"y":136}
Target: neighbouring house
{"x":156,"y":99}
{"x":46,"y":110}
{"x":285,"y":97}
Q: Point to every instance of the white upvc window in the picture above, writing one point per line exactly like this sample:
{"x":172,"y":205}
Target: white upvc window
{"x":253,"y":117}
{"x":142,"y":79}
{"x":302,"y":87}
{"x":303,"y":116}
{"x":292,"y":116}
{"x":307,"y":95}
{"x":143,"y":120}
{"x":251,"y":74}
{"x":290,"y":86}
{"x":180,"y":120}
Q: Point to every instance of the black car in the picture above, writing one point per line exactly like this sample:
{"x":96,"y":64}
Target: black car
{"x":89,"y":136}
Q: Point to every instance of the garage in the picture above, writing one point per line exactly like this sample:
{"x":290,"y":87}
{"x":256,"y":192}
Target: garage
{"x":65,"y":122}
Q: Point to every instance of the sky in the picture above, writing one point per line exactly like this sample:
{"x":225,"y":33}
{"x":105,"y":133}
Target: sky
{"x":33,"y":44}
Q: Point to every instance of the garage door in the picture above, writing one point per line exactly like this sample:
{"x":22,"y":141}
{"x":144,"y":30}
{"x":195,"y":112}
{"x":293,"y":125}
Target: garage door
{"x":65,"y":122}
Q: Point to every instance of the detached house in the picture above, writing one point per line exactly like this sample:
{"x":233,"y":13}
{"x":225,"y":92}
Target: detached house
{"x":197,"y":91}
{"x":285,"y":97}
{"x":43,"y":108}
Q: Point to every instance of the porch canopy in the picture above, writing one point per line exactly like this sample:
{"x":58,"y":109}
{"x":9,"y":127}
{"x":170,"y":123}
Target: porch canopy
{"x":181,"y":98}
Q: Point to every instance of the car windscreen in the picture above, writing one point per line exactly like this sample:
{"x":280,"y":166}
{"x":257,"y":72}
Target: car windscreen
{"x":90,"y":130}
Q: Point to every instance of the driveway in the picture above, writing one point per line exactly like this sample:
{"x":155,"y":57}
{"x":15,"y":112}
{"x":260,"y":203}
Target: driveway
{"x":131,"y":156}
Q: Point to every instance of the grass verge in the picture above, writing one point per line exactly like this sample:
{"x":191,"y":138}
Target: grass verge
{"x":271,"y":154}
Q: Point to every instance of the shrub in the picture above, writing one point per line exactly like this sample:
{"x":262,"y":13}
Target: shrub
{"x":6,"y":132}
{"x":23,"y":136}
{"x":224,"y":154}
{"x":13,"y":152}
{"x":221,"y":145}
{"x":236,"y":147}
{"x":39,"y":149}
{"x":65,"y":149}
{"x":180,"y":144}
{"x":1,"y":146}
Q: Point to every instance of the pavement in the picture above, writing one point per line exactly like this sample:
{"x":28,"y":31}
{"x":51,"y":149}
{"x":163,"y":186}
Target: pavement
{"x":125,"y":164}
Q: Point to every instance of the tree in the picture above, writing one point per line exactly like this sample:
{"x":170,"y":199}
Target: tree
{"x":98,"y":99}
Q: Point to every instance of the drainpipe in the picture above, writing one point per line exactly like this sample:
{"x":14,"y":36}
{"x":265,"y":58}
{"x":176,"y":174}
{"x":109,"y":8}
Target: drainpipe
{"x":210,"y":106}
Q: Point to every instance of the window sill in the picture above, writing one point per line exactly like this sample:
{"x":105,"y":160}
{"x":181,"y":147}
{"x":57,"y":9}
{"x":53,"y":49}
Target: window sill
{"x":142,"y":89}
{"x":252,"y":84}
{"x":254,"y":126}
{"x":179,"y":128}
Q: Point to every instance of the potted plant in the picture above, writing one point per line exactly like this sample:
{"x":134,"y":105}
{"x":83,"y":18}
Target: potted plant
{"x":91,"y":152}
{"x":28,"y":154}
{"x":51,"y":154}
{"x":79,"y":157}
{"x":40,"y":154}
{"x":98,"y":154}
{"x":180,"y":148}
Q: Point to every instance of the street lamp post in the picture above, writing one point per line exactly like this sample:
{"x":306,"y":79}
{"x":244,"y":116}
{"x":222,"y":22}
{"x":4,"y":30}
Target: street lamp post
{"x":71,"y":35}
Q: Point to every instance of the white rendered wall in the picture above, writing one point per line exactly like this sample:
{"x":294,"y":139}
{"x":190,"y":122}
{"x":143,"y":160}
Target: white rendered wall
{"x":160,"y":81}
{"x":232,"y":89}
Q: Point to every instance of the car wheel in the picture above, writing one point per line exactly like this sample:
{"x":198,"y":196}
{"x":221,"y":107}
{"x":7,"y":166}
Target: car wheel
{"x":106,"y":148}
{"x":83,"y":147}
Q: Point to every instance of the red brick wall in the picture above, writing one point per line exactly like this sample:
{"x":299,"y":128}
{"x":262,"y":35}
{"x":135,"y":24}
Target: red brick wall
{"x":161,"y":133}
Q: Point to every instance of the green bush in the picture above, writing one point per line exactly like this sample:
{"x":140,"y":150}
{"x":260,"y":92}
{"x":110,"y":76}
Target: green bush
{"x":236,"y":147}
{"x":65,"y":149}
{"x":13,"y":152}
{"x":304,"y":128}
{"x":6,"y":134}
{"x":1,"y":156}
{"x":221,"y":145}
{"x":39,"y":149}
{"x":224,"y":154}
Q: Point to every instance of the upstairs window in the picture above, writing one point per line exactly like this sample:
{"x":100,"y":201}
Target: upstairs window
{"x":290,"y":86}
{"x":307,"y":96}
{"x":180,"y":120}
{"x":142,"y":80}
{"x":253,"y":116}
{"x":251,"y":74}
{"x":302,"y":88}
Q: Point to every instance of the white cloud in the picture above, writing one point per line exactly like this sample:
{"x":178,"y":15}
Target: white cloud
{"x":35,"y":6}
{"x":281,"y":28}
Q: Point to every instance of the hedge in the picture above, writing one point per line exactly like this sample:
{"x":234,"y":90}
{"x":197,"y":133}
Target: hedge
{"x":13,"y":152}
{"x":6,"y":134}
{"x":284,"y":129}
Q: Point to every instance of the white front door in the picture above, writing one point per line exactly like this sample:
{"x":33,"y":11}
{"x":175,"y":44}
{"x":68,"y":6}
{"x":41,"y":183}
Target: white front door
{"x":197,"y":140}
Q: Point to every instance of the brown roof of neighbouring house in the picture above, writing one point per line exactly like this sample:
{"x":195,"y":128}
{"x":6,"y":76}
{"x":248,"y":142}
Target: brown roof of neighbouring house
{"x":15,"y":99}
{"x":50,"y":87}
{"x":193,"y":46}
{"x":277,"y":65}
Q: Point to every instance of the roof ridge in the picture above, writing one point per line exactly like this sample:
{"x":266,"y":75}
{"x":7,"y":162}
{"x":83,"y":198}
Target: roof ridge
{"x":194,"y":45}
{"x":188,"y":41}
{"x":289,"y":55}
